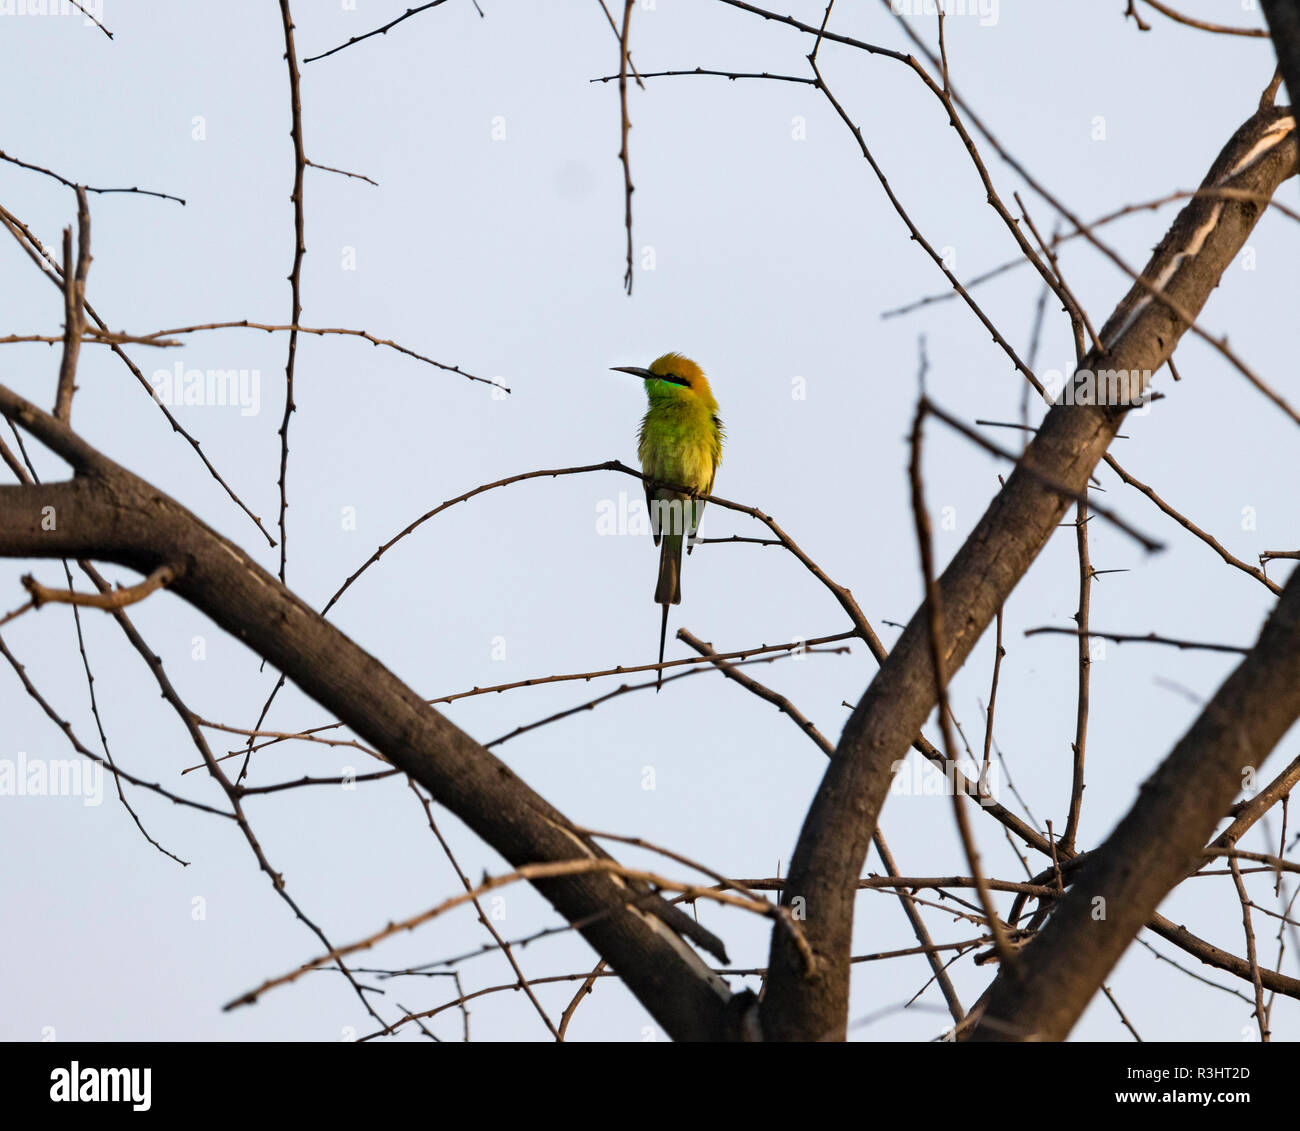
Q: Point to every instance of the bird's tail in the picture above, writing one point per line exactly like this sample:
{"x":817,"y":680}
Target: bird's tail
{"x":669,"y":590}
{"x":663,"y":635}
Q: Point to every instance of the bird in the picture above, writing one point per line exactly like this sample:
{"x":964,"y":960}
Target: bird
{"x":679,"y":443}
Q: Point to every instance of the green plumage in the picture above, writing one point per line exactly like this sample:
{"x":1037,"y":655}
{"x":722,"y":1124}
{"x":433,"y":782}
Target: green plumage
{"x":680,"y":442}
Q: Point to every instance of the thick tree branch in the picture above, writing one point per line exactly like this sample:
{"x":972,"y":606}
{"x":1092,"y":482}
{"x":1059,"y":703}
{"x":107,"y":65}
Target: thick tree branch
{"x":108,"y":514}
{"x":1141,"y":335}
{"x":1158,"y":843}
{"x":1284,"y":27}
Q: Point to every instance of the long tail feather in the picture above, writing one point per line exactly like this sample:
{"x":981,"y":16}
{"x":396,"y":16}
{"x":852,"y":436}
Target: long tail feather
{"x":669,"y":589}
{"x":663,"y":636}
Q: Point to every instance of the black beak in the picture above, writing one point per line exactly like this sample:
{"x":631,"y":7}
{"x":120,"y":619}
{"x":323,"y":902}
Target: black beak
{"x":646,"y":375}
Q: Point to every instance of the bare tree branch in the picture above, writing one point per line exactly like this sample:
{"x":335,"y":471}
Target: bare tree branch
{"x":1159,"y":842}
{"x":109,"y":514}
{"x":1070,"y":442}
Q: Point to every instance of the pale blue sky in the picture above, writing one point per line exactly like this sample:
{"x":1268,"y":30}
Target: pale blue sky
{"x":774,"y":256}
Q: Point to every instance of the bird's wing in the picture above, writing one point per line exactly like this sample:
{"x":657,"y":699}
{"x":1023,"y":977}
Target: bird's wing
{"x":696,"y":509}
{"x":653,"y":511}
{"x":643,"y":454}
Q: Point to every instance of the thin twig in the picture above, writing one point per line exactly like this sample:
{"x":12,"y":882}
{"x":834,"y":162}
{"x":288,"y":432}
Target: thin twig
{"x":1261,"y":1012}
{"x":1201,"y":25}
{"x":160,"y":578}
{"x":935,"y":617}
{"x":625,"y":127}
{"x":1079,"y":745}
{"x":295,"y":275}
{"x":377,"y":31}
{"x":549,"y":870}
{"x":74,"y":296}
{"x":88,"y":188}
{"x":1149,"y":638}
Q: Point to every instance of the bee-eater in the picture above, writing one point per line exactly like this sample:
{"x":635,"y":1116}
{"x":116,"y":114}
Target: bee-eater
{"x":680,"y":442}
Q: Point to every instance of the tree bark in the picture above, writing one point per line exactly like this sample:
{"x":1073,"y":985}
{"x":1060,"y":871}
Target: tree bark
{"x":1283,"y":18}
{"x":1157,"y":844}
{"x":1139,"y":338}
{"x":108,"y":514}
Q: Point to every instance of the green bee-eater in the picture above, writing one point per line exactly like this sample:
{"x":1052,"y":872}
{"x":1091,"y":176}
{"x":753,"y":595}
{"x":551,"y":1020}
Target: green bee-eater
{"x":680,"y":442}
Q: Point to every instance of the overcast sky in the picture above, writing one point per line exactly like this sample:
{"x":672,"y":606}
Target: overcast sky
{"x":767,"y":251}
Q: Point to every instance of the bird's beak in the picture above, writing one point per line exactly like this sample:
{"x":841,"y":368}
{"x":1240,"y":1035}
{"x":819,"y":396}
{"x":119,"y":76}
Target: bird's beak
{"x":646,"y":375}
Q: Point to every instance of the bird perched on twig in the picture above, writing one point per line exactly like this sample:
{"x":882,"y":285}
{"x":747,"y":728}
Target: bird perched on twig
{"x":679,"y":445}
